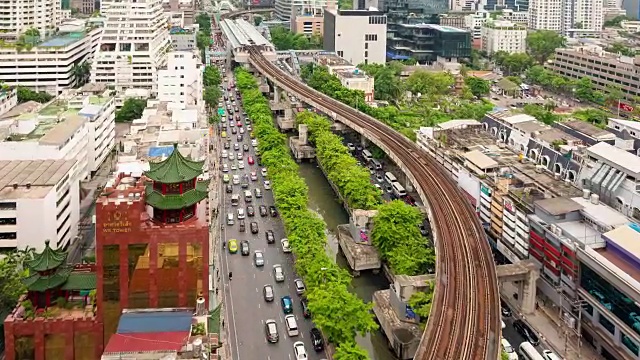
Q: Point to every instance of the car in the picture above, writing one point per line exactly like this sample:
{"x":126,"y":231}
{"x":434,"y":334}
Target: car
{"x":287,"y":304}
{"x":299,"y":351}
{"x":245,"y":184}
{"x":378,"y":187}
{"x":351,"y":147}
{"x":267,"y":293}
{"x":379,"y":178}
{"x":278,"y":273}
{"x":254,"y":227}
{"x":271,"y":330}
{"x":258,"y":258}
{"x":229,"y":188}
{"x":269,"y":236}
{"x":233,"y":129}
{"x":233,"y":246}
{"x":234,"y":167}
{"x":225,"y":167}
{"x":239,"y":156}
{"x":305,"y":308}
{"x":409,"y":200}
{"x":506,"y":310}
{"x":285,"y":245}
{"x":508,"y":349}
{"x":316,"y":339}
{"x":242,"y":225}
{"x":240,"y":165}
{"x":250,"y":160}
{"x":549,"y":355}
{"x":245,"y":147}
{"x":299,"y":284}
{"x":224,"y":154}
{"x":263,"y":210}
{"x":244,"y":248}
{"x":251,"y":212}
{"x":227,"y":145}
{"x":236,"y":146}
{"x":254,"y":176}
{"x":239,"y":138}
{"x":223,"y":134}
{"x":249,"y":127}
{"x":423,"y":230}
{"x":263,"y":171}
{"x":226,"y":178}
{"x":267,"y":185}
{"x":258,"y":193}
{"x":388,"y":189}
{"x":252,"y":135}
{"x":241,"y":129}
{"x":526,"y":332}
{"x":273,"y":211}
{"x":254,"y":142}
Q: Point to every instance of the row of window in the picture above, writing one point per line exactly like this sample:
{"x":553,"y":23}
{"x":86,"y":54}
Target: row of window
{"x":371,"y":37}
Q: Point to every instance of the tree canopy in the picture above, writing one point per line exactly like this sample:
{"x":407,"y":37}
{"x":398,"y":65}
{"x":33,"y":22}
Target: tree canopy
{"x":11,"y":274}
{"x":513,"y":64}
{"x":211,"y":76}
{"x":477,"y":86}
{"x":421,"y":303}
{"x":616,"y":21}
{"x":25,"y":94}
{"x":131,"y":110}
{"x":284,"y":39}
{"x":429,"y":82}
{"x":541,"y":44}
{"x":397,"y":236}
{"x":340,"y":314}
{"x":350,"y":351}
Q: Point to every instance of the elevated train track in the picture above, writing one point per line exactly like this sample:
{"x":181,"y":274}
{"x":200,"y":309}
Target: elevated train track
{"x":465,"y":321}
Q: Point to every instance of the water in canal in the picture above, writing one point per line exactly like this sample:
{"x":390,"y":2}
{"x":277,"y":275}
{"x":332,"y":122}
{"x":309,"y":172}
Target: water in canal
{"x":323,"y":200}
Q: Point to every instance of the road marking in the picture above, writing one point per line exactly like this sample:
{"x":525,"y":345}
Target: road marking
{"x":289,"y":356}
{"x":258,"y":305}
{"x":282,"y":321}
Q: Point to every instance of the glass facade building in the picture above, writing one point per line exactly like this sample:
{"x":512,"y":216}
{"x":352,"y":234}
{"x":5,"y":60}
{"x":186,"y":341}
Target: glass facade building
{"x":515,"y":5}
{"x":427,"y":42}
{"x":401,"y":12}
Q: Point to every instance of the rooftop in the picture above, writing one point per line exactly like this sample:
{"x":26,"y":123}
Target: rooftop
{"x":242,"y":33}
{"x":331,"y":59}
{"x":588,"y":129}
{"x":616,"y":157}
{"x":352,"y":74}
{"x":623,"y":249}
{"x":155,"y":320}
{"x":558,"y":205}
{"x":62,"y":40}
{"x":441,"y":28}
{"x":31,"y":179}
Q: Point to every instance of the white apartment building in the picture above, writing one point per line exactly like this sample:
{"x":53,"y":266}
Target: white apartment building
{"x":48,"y":66}
{"x":358,"y":36}
{"x":18,"y":16}
{"x":546,"y":15}
{"x":518,"y":17}
{"x":474,"y":23}
{"x":133,"y":45}
{"x":39,"y":201}
{"x":357,"y":79}
{"x":181,"y":80}
{"x":285,"y":9}
{"x":8,"y":100}
{"x":574,"y":18}
{"x":502,"y":35}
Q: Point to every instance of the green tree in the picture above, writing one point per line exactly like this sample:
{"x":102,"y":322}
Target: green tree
{"x":25,"y":94}
{"x":620,"y":48}
{"x":11,"y":286}
{"x":257,"y":20}
{"x":615,"y":22}
{"x":421,"y":303}
{"x":479,"y":87}
{"x":541,"y":114}
{"x":203,"y":40}
{"x":596,"y":117}
{"x":284,"y":39}
{"x":211,"y":96}
{"x":204,"y":23}
{"x":211,"y":76}
{"x":81,"y":72}
{"x":131,"y":110}
{"x":504,"y":355}
{"x":32,"y":32}
{"x":513,"y":64}
{"x":397,"y":236}
{"x":613,"y":95}
{"x":350,"y":351}
{"x":430,"y":83}
{"x":541,"y":44}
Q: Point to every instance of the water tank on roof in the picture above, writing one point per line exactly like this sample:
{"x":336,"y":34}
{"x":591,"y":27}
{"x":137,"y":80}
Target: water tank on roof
{"x":586,"y":193}
{"x":595,"y":199}
{"x":128,"y":180}
{"x":197,"y":346}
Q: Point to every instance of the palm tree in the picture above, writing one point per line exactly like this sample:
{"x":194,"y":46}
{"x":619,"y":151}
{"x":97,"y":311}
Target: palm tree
{"x":81,"y":72}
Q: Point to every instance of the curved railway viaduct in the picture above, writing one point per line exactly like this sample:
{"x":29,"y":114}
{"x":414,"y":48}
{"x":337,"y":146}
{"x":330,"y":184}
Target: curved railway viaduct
{"x":465,"y":321}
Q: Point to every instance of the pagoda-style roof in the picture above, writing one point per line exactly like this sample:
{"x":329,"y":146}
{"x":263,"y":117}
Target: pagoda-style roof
{"x":174,"y":169}
{"x":48,"y":259}
{"x":176,"y":201}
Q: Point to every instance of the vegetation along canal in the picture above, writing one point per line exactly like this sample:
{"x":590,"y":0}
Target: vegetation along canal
{"x":324,"y":201}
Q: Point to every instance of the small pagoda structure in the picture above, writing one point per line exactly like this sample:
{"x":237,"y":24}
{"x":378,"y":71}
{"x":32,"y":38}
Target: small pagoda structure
{"x":175,"y":191}
{"x":51,"y":278}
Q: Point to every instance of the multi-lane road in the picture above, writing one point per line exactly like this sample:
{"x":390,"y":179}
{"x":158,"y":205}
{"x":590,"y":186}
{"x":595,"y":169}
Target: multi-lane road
{"x":245,"y":308}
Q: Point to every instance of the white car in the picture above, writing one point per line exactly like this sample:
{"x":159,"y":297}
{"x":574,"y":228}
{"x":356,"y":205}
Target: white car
{"x":285,"y":245}
{"x":299,"y":350}
{"x":225,"y":168}
{"x":506,"y":346}
{"x":241,"y":130}
{"x":263,"y":172}
{"x":379,"y":178}
{"x":351,"y":147}
{"x":239,"y":156}
{"x":549,"y":355}
{"x":278,"y":273}
{"x":267,"y":185}
{"x":254,"y":143}
{"x":224,"y":154}
{"x":254,"y":176}
{"x":234,"y":167}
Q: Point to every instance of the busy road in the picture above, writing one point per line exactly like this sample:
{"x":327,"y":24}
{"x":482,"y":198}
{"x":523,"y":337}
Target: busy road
{"x":246,"y":307}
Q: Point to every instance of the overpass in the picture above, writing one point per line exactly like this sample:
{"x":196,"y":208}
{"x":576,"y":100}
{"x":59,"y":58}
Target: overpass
{"x":465,"y":323}
{"x":242,"y":36}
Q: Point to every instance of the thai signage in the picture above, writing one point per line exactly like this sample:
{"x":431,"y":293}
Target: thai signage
{"x":116,"y":223}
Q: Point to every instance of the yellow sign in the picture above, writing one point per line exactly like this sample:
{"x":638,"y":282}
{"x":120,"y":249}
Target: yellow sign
{"x":116,"y":224}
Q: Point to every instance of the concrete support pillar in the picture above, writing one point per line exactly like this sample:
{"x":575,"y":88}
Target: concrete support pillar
{"x":407,"y":183}
{"x":276,"y":94}
{"x":288,"y":113}
{"x":528,"y":293}
{"x":302,"y":134}
{"x":363,"y":141}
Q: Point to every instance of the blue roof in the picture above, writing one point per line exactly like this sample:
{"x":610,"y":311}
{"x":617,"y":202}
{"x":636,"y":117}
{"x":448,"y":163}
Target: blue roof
{"x":159,"y":151}
{"x":90,"y":110}
{"x":155,"y":321}
{"x":62,"y":41}
{"x":393,"y":56}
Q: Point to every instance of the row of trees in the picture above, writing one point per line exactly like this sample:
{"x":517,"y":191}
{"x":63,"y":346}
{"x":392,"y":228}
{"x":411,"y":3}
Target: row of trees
{"x":397,"y":236}
{"x":353,"y":181}
{"x":203,"y":37}
{"x":211,"y":79}
{"x":340,"y":314}
{"x":284,"y":39}
{"x":11,"y":274}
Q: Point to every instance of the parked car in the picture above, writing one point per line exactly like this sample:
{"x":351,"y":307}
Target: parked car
{"x":273,"y":211}
{"x":305,"y":308}
{"x":278,"y":273}
{"x":316,"y":340}
{"x":285,"y":245}
{"x":299,"y":284}
{"x":526,"y":332}
{"x":506,"y":310}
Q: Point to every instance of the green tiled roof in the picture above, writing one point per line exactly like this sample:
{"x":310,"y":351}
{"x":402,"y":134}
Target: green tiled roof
{"x":176,"y":201}
{"x":176,"y":168}
{"x":37,"y":282}
{"x":48,"y":259}
{"x":80,"y":281}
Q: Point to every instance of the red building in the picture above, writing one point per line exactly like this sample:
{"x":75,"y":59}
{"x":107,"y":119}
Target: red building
{"x":152,"y":240}
{"x":56,"y":318}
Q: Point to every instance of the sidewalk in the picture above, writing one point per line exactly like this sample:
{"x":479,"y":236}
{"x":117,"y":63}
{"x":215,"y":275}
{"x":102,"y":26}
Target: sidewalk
{"x":553,"y":332}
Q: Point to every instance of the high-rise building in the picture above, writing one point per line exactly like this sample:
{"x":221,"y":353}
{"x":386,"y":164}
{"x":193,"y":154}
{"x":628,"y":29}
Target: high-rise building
{"x":401,"y":12}
{"x":498,"y":5}
{"x":358,"y":36}
{"x":574,"y":18}
{"x":152,"y":240}
{"x":18,"y":16}
{"x":287,"y":9}
{"x":181,"y":80}
{"x":502,"y":35}
{"x":426,"y":42}
{"x":546,"y":15}
{"x":133,"y":45}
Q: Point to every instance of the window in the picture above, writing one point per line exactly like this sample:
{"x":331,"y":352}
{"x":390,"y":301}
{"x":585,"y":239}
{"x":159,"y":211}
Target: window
{"x":8,"y":235}
{"x":366,"y":54}
{"x":366,"y":45}
{"x":371,"y":37}
{"x":340,"y":53}
{"x":7,"y":206}
{"x":607,"y":324}
{"x":8,"y":221}
{"x":630,"y":344}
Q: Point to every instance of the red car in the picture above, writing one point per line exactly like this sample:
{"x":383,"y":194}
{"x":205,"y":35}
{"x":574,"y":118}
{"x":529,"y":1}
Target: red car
{"x":250,"y":160}
{"x":409,"y":200}
{"x":239,"y":124}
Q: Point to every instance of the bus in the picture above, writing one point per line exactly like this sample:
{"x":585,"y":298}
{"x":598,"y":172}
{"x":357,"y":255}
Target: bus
{"x":528,"y":352}
{"x":390,"y":178}
{"x":366,"y":154}
{"x":398,"y":190}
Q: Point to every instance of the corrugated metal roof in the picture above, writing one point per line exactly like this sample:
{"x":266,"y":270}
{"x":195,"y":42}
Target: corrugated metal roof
{"x":155,"y":321}
{"x":146,"y":342}
{"x":242,"y":33}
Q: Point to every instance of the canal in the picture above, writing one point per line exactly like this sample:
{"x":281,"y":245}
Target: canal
{"x":323,"y":201}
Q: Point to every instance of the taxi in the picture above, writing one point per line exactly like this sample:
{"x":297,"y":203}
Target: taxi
{"x":226,"y":178}
{"x":252,"y":135}
{"x":233,"y":246}
{"x":223,"y":134}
